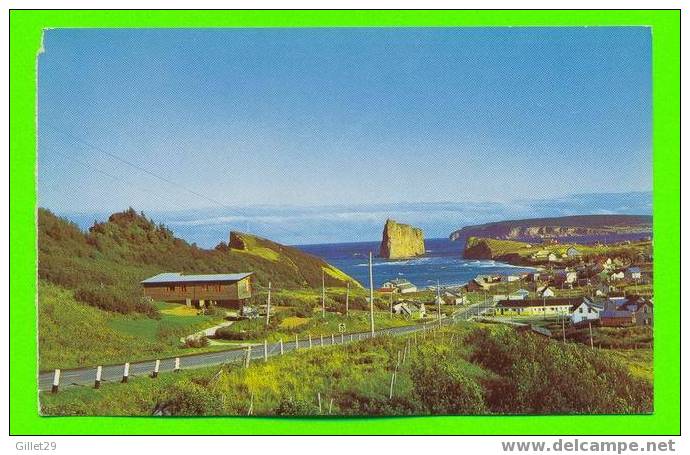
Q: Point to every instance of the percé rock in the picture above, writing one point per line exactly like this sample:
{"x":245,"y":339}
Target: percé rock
{"x":401,"y":241}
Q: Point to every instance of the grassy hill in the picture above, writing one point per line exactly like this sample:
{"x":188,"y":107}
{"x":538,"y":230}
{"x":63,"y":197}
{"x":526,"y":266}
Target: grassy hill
{"x":105,"y":265}
{"x":89,"y":298}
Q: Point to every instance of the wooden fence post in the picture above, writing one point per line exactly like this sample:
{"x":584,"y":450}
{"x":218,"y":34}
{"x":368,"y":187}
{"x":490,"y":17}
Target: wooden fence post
{"x":248,"y":357}
{"x":99,"y":370}
{"x":390,"y":394}
{"x":318,"y":395}
{"x":125,"y":373}
{"x":330,"y":407}
{"x":56,"y":381}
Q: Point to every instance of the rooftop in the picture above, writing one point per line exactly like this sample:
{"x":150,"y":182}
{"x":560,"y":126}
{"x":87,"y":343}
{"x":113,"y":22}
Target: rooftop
{"x":173,"y":277}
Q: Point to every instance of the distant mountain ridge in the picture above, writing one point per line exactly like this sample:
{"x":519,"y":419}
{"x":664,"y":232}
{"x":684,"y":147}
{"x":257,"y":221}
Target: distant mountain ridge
{"x":566,"y":226}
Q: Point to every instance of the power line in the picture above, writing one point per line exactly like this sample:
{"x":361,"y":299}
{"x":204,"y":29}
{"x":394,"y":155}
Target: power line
{"x":134,"y":165}
{"x":93,"y":168}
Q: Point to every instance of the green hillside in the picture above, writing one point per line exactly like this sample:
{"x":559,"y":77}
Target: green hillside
{"x":105,"y":265}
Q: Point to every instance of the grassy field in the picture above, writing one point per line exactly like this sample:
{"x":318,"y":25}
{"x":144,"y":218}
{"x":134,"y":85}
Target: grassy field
{"x":464,"y":369}
{"x":72,"y":334}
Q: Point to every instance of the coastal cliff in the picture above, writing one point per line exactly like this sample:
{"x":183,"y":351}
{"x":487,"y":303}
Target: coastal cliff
{"x":552,"y":228}
{"x":401,"y":241}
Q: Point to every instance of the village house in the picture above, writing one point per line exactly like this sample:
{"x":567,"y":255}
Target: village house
{"x":546,"y":291}
{"x":541,"y":307}
{"x":587,"y":310}
{"x":553,"y":257}
{"x":573,"y":252}
{"x":615,"y":313}
{"x":398,"y":285}
{"x":483,"y":282}
{"x":520,"y":294}
{"x":633,"y":273}
{"x":455,"y":297}
{"x":413,"y":310}
{"x":617,"y":275}
{"x":565,"y":277}
{"x":511,"y":278}
{"x":225,"y":289}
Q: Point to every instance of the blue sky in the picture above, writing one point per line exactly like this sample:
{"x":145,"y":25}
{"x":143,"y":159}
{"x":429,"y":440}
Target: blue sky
{"x":310,"y":117}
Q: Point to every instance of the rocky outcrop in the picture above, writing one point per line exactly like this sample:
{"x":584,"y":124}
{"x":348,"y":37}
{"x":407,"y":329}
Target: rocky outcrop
{"x":401,"y":241}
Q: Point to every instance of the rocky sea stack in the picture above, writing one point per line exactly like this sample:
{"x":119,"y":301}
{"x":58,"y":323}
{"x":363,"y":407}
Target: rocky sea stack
{"x":401,"y":241}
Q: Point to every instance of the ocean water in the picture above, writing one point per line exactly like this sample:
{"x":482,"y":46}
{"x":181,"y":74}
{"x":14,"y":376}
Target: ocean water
{"x":443,"y":262}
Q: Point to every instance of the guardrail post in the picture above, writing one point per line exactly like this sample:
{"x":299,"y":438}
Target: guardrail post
{"x":265,"y":351}
{"x":310,"y":341}
{"x":332,"y":339}
{"x":296,"y":342}
{"x":342,"y":338}
{"x":125,"y":373}
{"x":352,"y":337}
{"x":248,"y":357}
{"x":156,"y":368}
{"x":321,"y":340}
{"x":281,"y":346}
{"x":177,"y":365}
{"x":99,"y":370}
{"x":56,"y":381}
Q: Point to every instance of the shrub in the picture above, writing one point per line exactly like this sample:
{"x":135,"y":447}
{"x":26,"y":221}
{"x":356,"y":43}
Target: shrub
{"x":111,"y":298}
{"x":187,"y":398}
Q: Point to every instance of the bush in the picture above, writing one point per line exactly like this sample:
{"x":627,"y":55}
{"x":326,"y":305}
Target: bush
{"x":579,"y":380}
{"x":192,"y":342}
{"x":187,"y":398}
{"x":111,"y":298}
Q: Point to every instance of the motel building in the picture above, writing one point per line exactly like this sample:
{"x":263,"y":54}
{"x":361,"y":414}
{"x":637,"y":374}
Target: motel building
{"x":540,"y":307}
{"x":225,"y":289}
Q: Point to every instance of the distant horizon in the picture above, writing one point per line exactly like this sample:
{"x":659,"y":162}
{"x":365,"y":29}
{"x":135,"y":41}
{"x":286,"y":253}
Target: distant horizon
{"x":356,"y":223}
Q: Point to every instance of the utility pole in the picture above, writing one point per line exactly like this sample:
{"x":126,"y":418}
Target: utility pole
{"x":323,"y":294}
{"x":371,"y":296}
{"x":347,"y":300}
{"x":391,"y":304}
{"x":591,"y":339}
{"x":268,"y":305}
{"x":438,"y":301}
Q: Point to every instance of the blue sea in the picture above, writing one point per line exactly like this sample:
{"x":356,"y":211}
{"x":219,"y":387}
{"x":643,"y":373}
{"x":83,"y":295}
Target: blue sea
{"x":443,"y":262}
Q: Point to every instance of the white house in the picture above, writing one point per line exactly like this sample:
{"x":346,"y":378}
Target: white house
{"x":520,"y":294}
{"x":553,"y":257}
{"x":587,"y":310}
{"x":511,"y":278}
{"x":617,"y":275}
{"x":573,"y":252}
{"x":546,"y":291}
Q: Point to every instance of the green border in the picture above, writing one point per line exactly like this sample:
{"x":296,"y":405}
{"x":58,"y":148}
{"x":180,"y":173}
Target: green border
{"x":25,"y":41}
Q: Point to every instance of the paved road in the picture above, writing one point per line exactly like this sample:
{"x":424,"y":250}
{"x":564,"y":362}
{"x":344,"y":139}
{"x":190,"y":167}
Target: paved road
{"x":114,"y":373}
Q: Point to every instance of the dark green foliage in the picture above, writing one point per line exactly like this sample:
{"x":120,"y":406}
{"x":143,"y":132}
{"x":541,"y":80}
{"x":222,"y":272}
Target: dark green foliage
{"x":290,"y":406}
{"x":114,"y":298}
{"x":190,"y":399}
{"x":441,"y":384}
{"x":540,"y":376}
{"x":106,"y":264}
